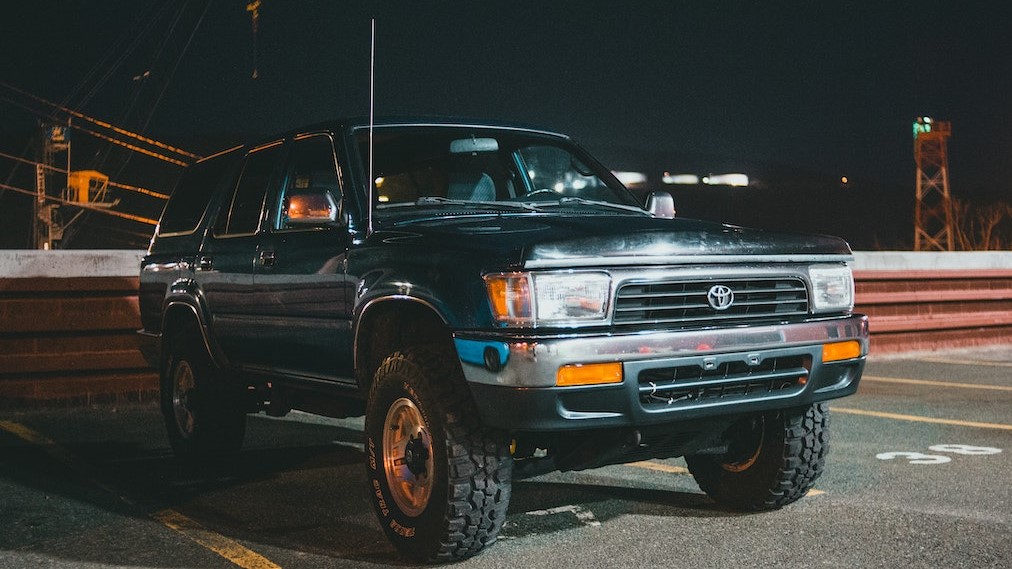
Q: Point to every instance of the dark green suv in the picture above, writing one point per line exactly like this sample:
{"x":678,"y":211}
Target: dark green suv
{"x":497,"y":305}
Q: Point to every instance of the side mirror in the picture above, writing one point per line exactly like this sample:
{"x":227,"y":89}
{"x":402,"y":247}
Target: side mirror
{"x":661,"y":204}
{"x":310,"y":208}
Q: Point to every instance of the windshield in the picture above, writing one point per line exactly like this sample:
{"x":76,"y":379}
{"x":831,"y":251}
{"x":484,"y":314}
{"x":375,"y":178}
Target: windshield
{"x":472,"y":166}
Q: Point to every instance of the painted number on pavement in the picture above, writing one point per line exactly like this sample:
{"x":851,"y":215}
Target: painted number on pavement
{"x":922,"y":458}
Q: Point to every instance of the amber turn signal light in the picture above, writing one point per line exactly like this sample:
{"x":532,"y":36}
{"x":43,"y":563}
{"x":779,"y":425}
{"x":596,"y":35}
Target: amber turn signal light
{"x":589,"y":374}
{"x":841,"y":351}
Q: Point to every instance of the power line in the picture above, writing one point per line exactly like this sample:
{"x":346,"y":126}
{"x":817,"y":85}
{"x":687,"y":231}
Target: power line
{"x":133,"y":147}
{"x":137,"y":218}
{"x":103,"y":124}
{"x":123,"y":52}
{"x":127,"y":187}
{"x":98,"y":135}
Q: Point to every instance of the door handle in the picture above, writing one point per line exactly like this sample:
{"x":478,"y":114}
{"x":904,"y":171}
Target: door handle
{"x":204,"y":263}
{"x":267,"y":258}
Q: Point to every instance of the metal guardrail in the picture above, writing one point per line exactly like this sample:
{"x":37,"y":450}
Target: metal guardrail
{"x":931,"y":310}
{"x":67,"y":318}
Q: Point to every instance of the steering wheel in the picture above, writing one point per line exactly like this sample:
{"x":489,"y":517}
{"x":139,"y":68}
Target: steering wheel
{"x":541,"y":191}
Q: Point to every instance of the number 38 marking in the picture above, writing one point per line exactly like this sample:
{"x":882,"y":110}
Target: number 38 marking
{"x":915,"y":457}
{"x":921,"y":458}
{"x":964,"y":449}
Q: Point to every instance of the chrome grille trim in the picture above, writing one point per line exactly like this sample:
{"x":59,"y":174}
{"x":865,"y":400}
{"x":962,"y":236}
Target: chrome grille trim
{"x":683,"y":302}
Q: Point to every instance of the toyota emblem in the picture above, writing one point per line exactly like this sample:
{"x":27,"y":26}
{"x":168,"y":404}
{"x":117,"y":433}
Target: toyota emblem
{"x":720,"y":297}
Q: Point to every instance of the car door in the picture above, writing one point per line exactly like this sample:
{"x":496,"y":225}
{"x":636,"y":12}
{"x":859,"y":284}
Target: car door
{"x":301,"y":287}
{"x":224,"y":268}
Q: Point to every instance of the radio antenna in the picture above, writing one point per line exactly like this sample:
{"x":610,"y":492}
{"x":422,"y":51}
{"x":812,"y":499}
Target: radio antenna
{"x":372,"y":119}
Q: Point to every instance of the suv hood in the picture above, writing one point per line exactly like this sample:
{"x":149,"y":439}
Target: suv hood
{"x":575,"y":240}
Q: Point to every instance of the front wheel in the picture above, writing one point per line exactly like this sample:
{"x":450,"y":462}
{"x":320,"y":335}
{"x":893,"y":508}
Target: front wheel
{"x":773,"y":460}
{"x":439,"y":480}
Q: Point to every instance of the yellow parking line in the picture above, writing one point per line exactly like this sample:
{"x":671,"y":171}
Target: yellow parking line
{"x":935,"y":383}
{"x":659,"y":467}
{"x":219,"y":544}
{"x":919,"y":419}
{"x":223,"y":546}
{"x":649,"y":465}
{"x":965,"y":362}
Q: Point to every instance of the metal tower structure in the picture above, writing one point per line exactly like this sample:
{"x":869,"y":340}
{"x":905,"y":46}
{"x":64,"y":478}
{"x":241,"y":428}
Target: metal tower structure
{"x":62,"y":194}
{"x":48,"y":227}
{"x":933,"y":229}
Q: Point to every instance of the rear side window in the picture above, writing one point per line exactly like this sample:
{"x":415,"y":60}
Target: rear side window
{"x":188,"y":202}
{"x":246,"y":207}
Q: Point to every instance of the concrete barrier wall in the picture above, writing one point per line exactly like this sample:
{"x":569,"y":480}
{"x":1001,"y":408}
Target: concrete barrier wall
{"x":68,"y":318}
{"x":68,"y":322}
{"x":931,"y":301}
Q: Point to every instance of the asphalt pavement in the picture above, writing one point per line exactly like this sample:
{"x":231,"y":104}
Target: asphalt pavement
{"x":917,"y":476}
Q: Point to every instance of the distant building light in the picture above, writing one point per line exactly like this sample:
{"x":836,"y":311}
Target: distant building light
{"x":559,"y":187}
{"x":383,"y":199}
{"x":735,"y":180}
{"x":844,"y":180}
{"x":631,"y":178}
{"x":686,"y":179}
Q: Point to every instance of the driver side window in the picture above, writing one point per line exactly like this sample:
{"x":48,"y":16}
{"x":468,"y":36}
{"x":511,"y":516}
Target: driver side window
{"x":311,"y":195}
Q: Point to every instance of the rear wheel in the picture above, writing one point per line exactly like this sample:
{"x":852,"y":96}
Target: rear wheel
{"x":203,"y":415}
{"x":439,"y":480}
{"x":773,"y":460}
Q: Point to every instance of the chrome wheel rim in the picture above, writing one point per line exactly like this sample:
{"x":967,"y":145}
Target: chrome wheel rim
{"x":407,"y":457}
{"x":183,"y":385}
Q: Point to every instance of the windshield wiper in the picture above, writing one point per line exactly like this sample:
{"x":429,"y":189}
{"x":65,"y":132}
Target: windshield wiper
{"x":439,"y":200}
{"x":566,"y":200}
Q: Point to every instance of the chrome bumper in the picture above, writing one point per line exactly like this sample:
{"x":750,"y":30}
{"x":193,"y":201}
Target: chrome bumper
{"x":513,"y":379}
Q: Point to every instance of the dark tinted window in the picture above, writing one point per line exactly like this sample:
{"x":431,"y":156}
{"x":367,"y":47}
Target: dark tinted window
{"x":243,"y":215}
{"x":480,"y":164}
{"x":311,"y":175}
{"x":189,"y":200}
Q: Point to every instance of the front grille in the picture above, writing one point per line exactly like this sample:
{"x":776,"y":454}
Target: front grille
{"x":662,"y":387}
{"x":685,"y":302}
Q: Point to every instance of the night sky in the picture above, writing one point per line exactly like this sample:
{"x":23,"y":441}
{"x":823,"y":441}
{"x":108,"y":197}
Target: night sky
{"x":829,"y":89}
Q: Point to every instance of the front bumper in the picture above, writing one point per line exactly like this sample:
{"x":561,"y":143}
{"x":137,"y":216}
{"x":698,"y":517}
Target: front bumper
{"x":669,"y":376}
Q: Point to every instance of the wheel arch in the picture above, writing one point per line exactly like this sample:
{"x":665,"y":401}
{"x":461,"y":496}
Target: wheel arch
{"x":179,"y":315}
{"x":391,"y":323}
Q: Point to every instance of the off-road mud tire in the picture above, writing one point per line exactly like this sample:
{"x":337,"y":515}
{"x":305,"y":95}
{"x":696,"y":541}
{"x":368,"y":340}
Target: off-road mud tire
{"x":783,"y":469}
{"x":471,"y":464}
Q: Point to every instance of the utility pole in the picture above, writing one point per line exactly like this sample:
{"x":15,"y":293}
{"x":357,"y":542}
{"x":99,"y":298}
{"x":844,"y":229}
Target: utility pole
{"x":48,"y":228}
{"x":933,"y":229}
{"x":254,"y":13}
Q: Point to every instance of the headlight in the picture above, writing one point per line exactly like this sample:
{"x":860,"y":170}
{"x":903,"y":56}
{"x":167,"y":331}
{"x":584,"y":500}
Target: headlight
{"x":550,"y":299}
{"x":832,"y":288}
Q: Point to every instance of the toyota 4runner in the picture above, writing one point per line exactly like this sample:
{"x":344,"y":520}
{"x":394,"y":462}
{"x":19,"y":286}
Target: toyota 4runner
{"x":497,"y":305}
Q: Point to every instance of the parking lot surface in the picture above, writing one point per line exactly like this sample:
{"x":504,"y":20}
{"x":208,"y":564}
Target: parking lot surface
{"x":918,"y":476}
